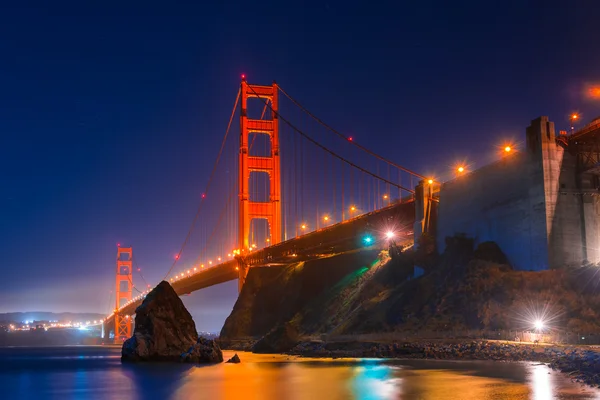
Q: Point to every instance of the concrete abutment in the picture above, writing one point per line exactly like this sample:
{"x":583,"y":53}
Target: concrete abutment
{"x":536,"y":204}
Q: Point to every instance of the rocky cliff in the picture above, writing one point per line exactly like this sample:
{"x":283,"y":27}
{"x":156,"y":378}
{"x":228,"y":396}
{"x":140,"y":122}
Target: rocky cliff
{"x":165,"y":331}
{"x":366,"y":292}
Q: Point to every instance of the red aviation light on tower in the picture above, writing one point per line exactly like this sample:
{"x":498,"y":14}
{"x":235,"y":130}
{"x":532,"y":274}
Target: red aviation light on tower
{"x":177,"y":256}
{"x":243,"y":77}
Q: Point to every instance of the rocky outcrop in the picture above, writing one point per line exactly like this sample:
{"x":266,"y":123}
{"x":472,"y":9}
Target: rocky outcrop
{"x":281,"y":339}
{"x":468,"y":289}
{"x":165,"y":331}
{"x":204,"y":351}
{"x":582,"y":366}
{"x":235,"y":359}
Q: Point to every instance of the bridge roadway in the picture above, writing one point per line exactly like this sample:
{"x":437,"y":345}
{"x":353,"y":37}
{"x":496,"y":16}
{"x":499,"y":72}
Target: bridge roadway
{"x":334,"y":239}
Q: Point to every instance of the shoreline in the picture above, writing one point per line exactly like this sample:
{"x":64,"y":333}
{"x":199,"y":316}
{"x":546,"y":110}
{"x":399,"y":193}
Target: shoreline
{"x":580,"y":363}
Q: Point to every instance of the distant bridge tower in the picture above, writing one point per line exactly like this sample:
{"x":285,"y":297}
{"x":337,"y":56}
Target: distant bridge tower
{"x":123,"y":292}
{"x":249,"y":210}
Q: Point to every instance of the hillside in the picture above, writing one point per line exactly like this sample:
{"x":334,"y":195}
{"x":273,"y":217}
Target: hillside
{"x":366,"y":292}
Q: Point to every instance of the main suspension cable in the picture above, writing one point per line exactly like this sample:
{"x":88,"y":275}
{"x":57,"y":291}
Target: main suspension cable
{"x":348,"y":139}
{"x":331,"y":151}
{"x":210,"y":179}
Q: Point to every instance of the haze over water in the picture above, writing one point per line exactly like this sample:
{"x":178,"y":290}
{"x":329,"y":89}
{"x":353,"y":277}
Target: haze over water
{"x":97,"y":373}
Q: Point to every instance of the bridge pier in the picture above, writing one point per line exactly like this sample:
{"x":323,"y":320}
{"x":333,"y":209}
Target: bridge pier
{"x":242,"y":269}
{"x":425,"y":209}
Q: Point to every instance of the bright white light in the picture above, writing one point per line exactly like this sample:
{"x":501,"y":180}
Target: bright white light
{"x":539,"y":325}
{"x":390,"y":234}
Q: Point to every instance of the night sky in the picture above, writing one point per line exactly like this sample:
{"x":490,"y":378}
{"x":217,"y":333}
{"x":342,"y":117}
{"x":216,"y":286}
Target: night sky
{"x":111,"y":114}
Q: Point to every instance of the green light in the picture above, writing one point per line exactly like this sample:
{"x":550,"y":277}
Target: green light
{"x":368,"y":239}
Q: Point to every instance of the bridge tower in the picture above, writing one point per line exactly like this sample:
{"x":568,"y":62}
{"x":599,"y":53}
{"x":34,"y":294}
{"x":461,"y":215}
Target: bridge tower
{"x":123,"y":292}
{"x":249,"y":210}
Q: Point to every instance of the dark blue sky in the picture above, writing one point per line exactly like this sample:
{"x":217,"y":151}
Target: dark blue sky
{"x":111,"y":114}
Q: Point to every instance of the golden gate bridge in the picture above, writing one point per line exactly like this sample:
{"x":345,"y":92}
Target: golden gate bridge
{"x":304,"y":190}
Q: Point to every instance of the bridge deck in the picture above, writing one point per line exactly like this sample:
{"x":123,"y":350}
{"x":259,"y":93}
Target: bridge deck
{"x":338,"y":238}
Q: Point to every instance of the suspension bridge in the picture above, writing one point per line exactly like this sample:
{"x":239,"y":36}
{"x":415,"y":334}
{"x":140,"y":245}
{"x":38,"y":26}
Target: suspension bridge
{"x":304,"y":190}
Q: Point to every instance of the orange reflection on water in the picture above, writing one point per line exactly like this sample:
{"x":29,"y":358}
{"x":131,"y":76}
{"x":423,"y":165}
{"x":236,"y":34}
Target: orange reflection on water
{"x":283,"y":377}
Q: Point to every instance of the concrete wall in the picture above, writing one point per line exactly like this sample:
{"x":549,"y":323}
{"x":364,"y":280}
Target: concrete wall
{"x":540,"y":209}
{"x":501,"y":202}
{"x":559,"y":177}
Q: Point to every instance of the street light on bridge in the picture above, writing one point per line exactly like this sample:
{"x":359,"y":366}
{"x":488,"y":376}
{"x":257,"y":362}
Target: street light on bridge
{"x":574,"y":117}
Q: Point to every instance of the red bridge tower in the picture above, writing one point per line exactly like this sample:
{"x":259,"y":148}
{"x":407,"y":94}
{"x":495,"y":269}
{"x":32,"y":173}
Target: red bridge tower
{"x":123,"y":293}
{"x":249,"y":210}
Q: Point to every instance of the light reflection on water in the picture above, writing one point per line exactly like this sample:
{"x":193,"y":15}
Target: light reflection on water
{"x":96,"y":373}
{"x":372,"y":381}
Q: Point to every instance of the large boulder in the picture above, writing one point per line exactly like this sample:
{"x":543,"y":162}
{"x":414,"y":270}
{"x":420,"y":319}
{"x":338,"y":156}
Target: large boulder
{"x":165,"y":331}
{"x":235,"y":359}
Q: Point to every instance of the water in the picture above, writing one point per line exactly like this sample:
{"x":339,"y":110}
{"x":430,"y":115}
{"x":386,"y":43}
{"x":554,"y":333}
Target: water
{"x":97,"y":373}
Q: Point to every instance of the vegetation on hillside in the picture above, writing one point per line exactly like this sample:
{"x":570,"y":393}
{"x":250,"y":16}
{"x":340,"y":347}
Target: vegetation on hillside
{"x":465,"y":288}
